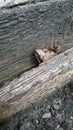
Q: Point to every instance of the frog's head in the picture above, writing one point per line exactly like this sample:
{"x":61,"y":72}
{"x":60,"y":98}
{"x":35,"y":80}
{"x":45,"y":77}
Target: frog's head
{"x":44,"y":54}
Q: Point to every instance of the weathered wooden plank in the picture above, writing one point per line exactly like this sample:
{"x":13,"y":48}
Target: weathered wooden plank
{"x":36,"y":83}
{"x":24,"y":28}
{"x":13,"y":3}
{"x":10,"y":3}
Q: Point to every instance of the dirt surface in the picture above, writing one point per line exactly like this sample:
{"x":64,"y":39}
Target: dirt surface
{"x":55,"y":112}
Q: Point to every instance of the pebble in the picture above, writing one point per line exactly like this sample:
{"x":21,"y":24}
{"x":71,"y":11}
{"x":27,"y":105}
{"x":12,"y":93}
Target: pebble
{"x":46,"y":115}
{"x":60,"y":117}
{"x":69,"y":124}
{"x":48,"y":107}
{"x":22,"y":127}
{"x":71,"y":117}
{"x":56,"y":107}
{"x":60,"y":103}
{"x":60,"y":128}
{"x":28,"y":124}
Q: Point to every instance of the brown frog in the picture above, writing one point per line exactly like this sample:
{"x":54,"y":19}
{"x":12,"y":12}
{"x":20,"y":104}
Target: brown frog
{"x":45,"y":54}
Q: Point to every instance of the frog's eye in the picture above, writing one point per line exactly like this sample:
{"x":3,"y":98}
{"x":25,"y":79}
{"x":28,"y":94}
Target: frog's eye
{"x":45,"y":50}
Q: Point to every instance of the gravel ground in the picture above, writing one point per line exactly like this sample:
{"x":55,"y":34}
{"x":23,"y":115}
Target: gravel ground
{"x":55,"y":112}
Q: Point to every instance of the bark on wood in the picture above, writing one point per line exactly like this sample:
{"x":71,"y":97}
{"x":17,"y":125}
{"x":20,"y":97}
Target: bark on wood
{"x":35,"y":84}
{"x":24,"y":28}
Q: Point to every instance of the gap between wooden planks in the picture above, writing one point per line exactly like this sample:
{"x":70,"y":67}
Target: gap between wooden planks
{"x":35,"y":84}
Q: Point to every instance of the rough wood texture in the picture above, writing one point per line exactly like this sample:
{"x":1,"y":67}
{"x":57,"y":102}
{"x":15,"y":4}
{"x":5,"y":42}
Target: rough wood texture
{"x":24,"y":28}
{"x":36,"y":83}
{"x":13,"y":3}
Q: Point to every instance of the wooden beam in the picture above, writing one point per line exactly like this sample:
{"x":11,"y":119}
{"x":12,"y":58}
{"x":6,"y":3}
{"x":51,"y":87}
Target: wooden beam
{"x":25,"y":28}
{"x":35,"y":84}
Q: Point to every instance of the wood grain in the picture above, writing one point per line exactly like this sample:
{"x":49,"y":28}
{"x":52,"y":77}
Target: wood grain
{"x":35,"y":84}
{"x":24,"y":28}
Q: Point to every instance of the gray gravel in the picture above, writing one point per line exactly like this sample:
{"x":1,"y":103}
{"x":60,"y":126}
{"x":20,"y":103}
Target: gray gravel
{"x":46,"y":115}
{"x":54,"y":113}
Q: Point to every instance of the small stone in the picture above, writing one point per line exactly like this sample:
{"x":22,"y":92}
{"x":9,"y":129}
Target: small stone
{"x":69,"y":124}
{"x":60,"y":128}
{"x":28,"y":124}
{"x":22,"y":127}
{"x":56,"y":107}
{"x":60,"y":103}
{"x":71,"y":117}
{"x":60,"y":117}
{"x":52,"y":111}
{"x":71,"y":93}
{"x":46,"y":115}
{"x":48,"y":107}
